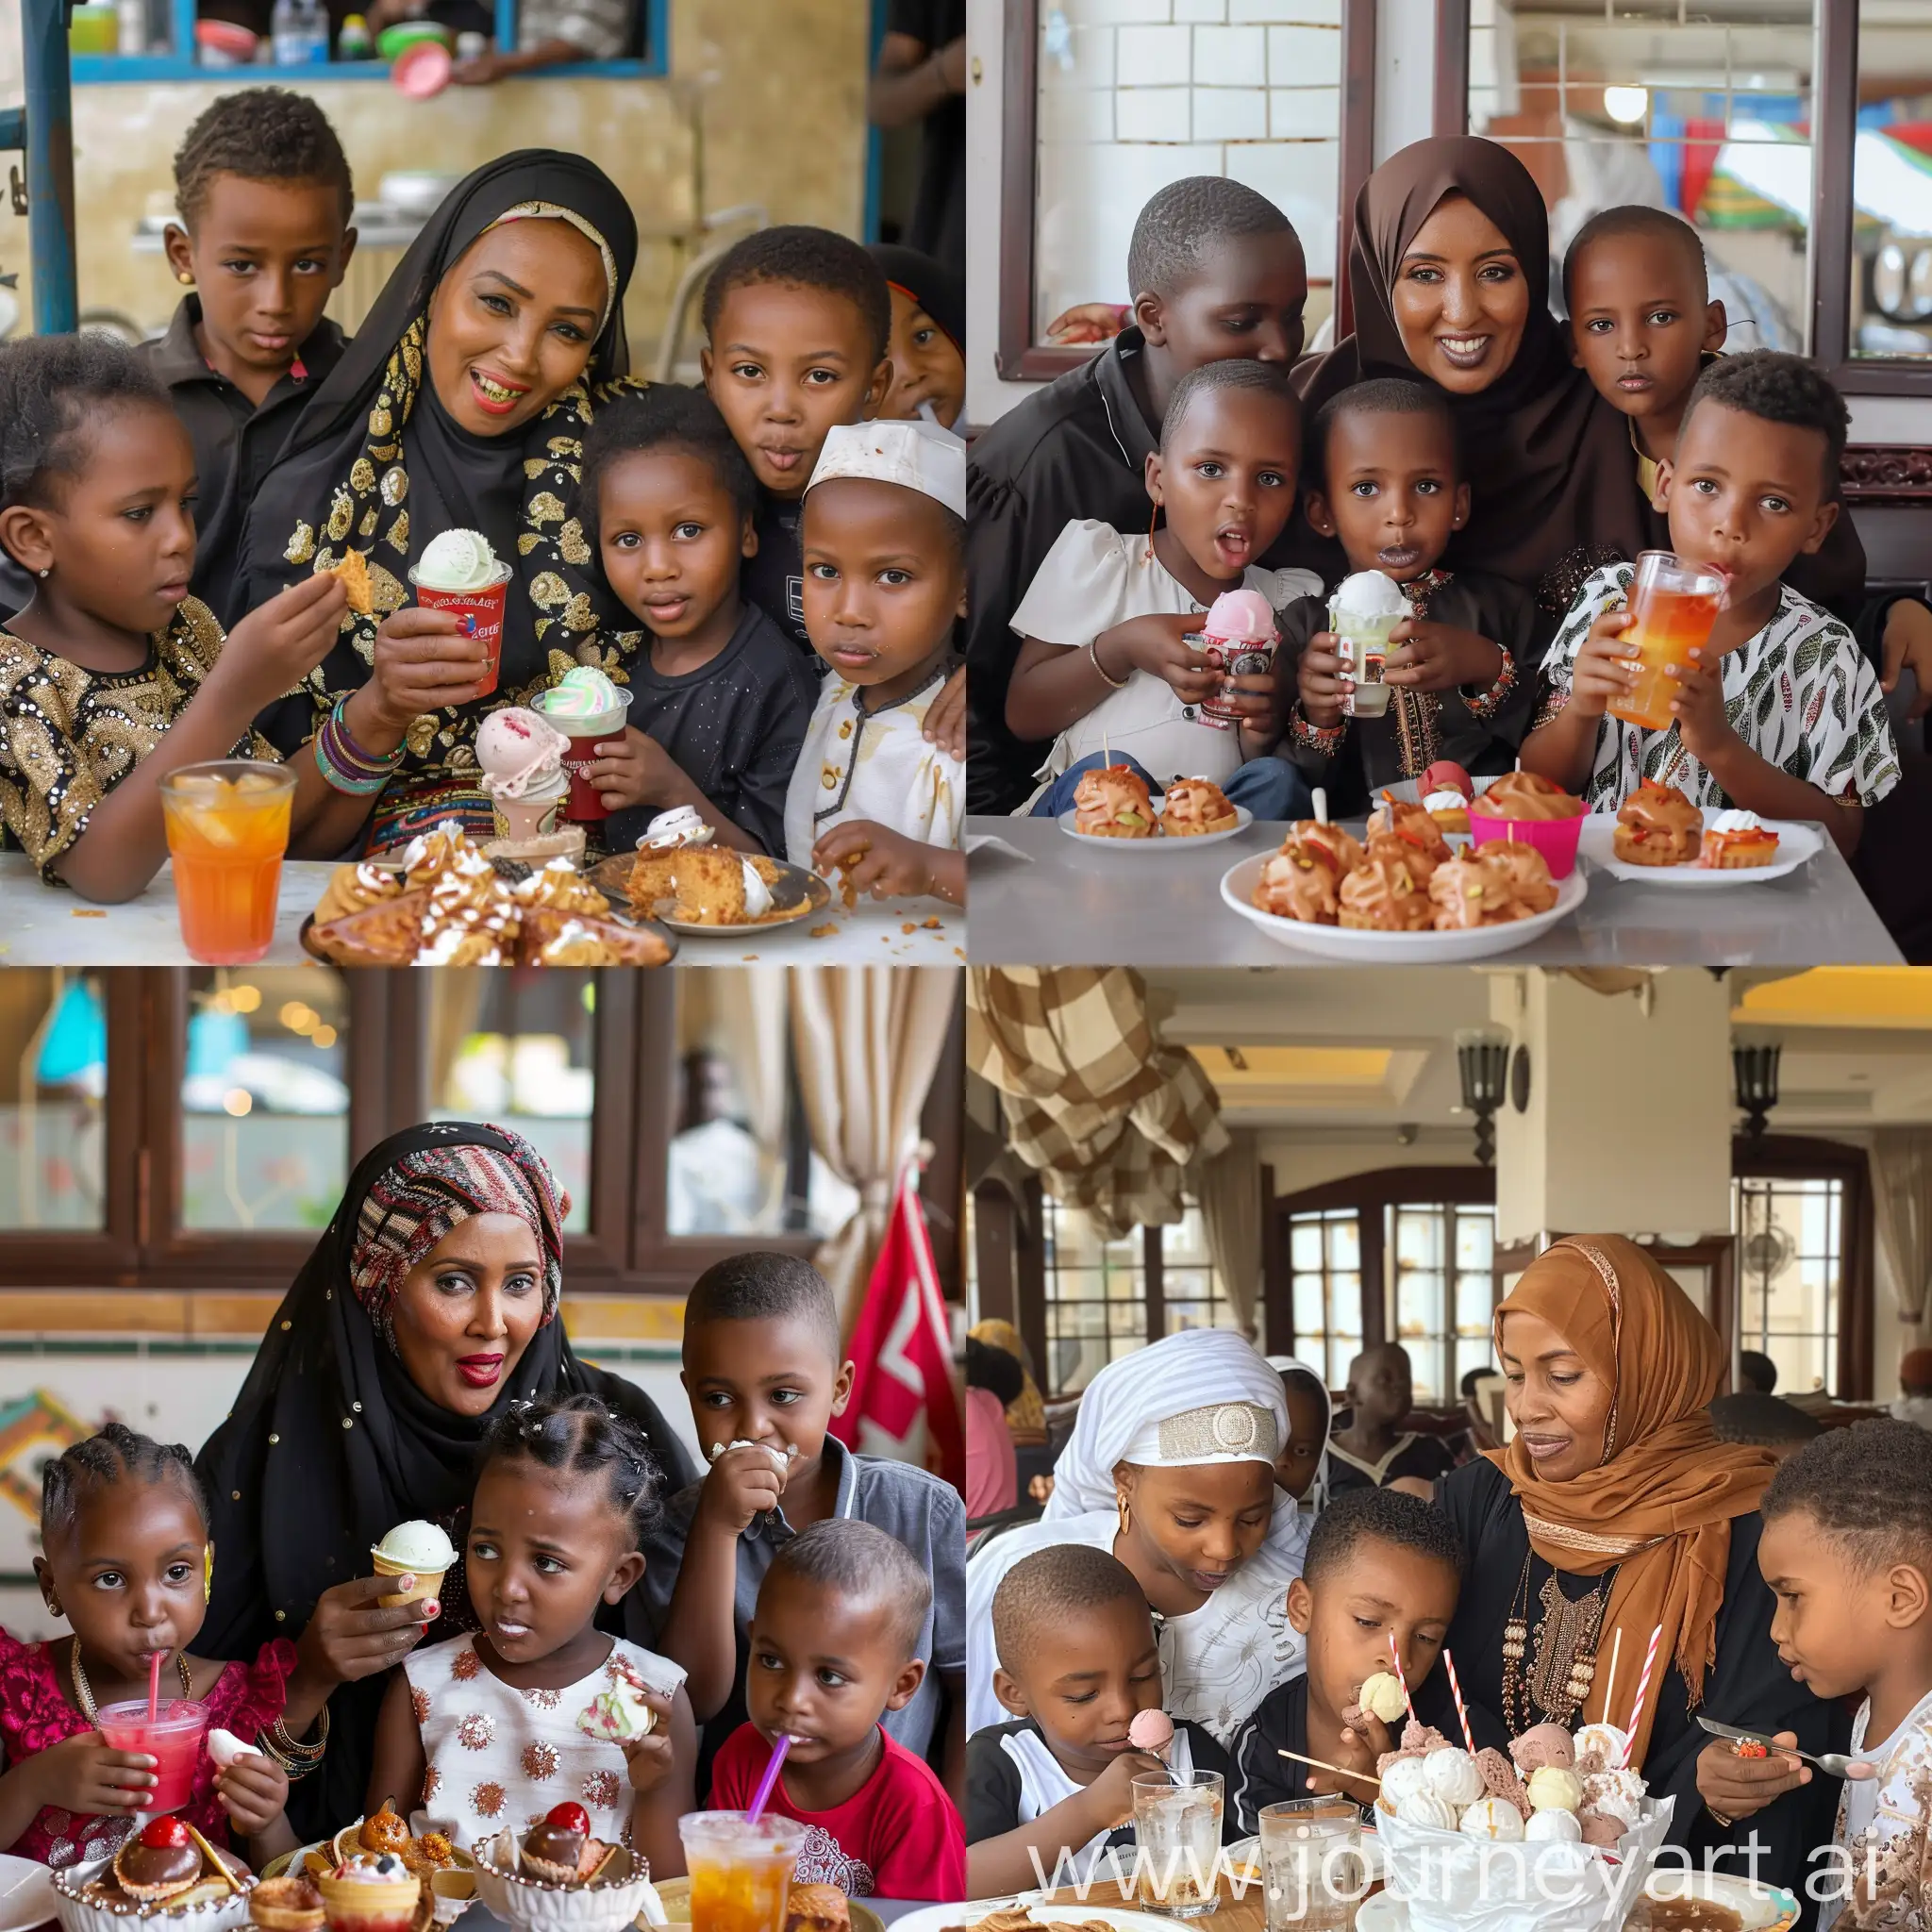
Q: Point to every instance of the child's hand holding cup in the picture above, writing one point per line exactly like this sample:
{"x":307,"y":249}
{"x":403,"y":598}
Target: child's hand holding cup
{"x":1366,"y":607}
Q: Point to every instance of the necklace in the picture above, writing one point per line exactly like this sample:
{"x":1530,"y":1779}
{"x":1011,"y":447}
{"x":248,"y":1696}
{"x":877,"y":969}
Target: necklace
{"x":1563,"y":1667}
{"x":83,"y":1691}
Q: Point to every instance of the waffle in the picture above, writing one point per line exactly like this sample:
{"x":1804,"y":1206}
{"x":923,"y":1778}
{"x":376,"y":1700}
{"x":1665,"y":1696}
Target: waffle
{"x":351,"y":887}
{"x":554,"y":938}
{"x":386,"y":934}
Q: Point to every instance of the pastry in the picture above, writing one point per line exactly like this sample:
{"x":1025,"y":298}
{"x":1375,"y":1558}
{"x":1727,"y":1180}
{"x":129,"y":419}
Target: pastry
{"x":1736,"y":842}
{"x":1111,"y":801}
{"x":1383,"y":894}
{"x":1657,"y":825}
{"x":161,"y":1861}
{"x":1527,"y":795}
{"x":562,"y":888}
{"x":351,"y":887}
{"x":1304,"y":879}
{"x":816,"y":1908}
{"x":353,"y":574}
{"x":382,"y":935}
{"x":369,"y":1893}
{"x":550,"y":938}
{"x":560,"y":1850}
{"x":1448,"y":807}
{"x":1472,"y":888}
{"x":1414,"y":822}
{"x":382,"y":1830}
{"x":1194,"y":806}
{"x":1527,"y":872}
{"x":619,"y":1712}
{"x":432,"y":1852}
{"x":288,"y":1904}
{"x":705,"y":885}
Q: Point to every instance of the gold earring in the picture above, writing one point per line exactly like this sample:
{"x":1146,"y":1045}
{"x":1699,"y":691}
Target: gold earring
{"x":1153,"y":512}
{"x":1120,"y":1499}
{"x":185,"y":276}
{"x":207,"y":1573}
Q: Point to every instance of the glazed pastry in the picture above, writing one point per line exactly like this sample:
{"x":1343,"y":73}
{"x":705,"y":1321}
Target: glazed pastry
{"x":1657,"y":825}
{"x":290,"y":1903}
{"x":818,"y":1907}
{"x":351,"y":887}
{"x":1527,"y":795}
{"x":1304,"y":879}
{"x":1472,"y":890}
{"x":1111,"y":801}
{"x":1194,"y":806}
{"x":159,"y":1862}
{"x":1528,"y":874}
{"x":383,"y":1831}
{"x":1383,"y":893}
{"x":1414,"y":822}
{"x":1738,"y":840}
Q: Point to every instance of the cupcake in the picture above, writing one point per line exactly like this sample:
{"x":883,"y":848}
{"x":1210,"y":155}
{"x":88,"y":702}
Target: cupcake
{"x":159,"y":1862}
{"x":1737,"y":841}
{"x":560,"y":1850}
{"x":290,"y":1903}
{"x":1657,"y":825}
{"x":371,"y":1894}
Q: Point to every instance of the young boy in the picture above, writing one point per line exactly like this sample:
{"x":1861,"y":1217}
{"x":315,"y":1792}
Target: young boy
{"x":1847,"y":1551}
{"x":1764,"y":1421}
{"x":1386,"y":478}
{"x":719,"y":704}
{"x":797,"y":326}
{"x":265,"y":196}
{"x":765,"y":1374}
{"x":833,"y":1649}
{"x":1380,"y":1564}
{"x":1216,"y":272}
{"x":1374,"y":1448}
{"x":1077,"y":1663}
{"x":1778,"y":714}
{"x":872,"y":795}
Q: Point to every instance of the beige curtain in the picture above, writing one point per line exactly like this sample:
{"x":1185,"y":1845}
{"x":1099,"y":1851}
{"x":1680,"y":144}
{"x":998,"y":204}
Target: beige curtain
{"x":1230,"y":1191}
{"x":1901,"y":1162}
{"x":868,"y":1045}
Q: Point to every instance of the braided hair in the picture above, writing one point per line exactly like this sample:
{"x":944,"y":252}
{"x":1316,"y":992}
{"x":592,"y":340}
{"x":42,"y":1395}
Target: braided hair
{"x":53,"y":388}
{"x":117,"y":1453}
{"x":583,"y":1437}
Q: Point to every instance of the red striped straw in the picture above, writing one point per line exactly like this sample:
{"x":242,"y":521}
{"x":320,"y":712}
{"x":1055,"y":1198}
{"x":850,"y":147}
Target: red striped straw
{"x":1461,"y":1708}
{"x":1395,"y":1659}
{"x":1642,"y":1688}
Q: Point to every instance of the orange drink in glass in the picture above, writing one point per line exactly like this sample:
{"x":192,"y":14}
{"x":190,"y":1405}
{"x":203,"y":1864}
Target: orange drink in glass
{"x":740,"y":1872}
{"x":227,"y":829}
{"x":1673,"y":607}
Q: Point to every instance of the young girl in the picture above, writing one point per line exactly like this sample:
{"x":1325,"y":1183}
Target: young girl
{"x":128,"y":1561}
{"x":496,"y":1730}
{"x":1104,"y":670}
{"x":113,"y":676}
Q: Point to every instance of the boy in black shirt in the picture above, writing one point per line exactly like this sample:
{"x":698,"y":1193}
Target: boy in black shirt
{"x":719,"y":705}
{"x":1217,"y":271}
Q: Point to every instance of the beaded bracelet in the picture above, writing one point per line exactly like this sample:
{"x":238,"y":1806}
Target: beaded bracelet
{"x":1325,"y":738}
{"x":345,"y":764}
{"x":1486,"y":703}
{"x":296,"y":1759}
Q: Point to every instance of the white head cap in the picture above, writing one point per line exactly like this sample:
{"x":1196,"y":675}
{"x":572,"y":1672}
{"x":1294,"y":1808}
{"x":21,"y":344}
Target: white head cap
{"x":916,"y":456}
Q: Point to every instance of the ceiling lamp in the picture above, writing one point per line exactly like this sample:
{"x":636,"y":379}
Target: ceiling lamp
{"x":1754,"y":1072}
{"x":1627,"y":105}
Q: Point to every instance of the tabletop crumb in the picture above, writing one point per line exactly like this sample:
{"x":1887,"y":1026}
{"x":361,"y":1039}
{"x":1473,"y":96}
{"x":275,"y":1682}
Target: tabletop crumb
{"x":961,"y":950}
{"x":823,"y":932}
{"x":932,"y":925}
{"x":747,"y":955}
{"x":90,"y":912}
{"x":908,"y":926}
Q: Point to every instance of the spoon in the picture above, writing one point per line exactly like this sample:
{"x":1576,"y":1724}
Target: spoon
{"x":1836,"y":1763}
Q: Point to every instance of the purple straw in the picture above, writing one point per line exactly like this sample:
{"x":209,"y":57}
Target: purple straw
{"x":770,"y":1778}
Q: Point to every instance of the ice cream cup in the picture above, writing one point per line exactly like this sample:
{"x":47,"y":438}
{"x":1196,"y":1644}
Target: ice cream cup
{"x":481,"y":612}
{"x":585,"y":735}
{"x":1362,"y":644}
{"x":1556,"y":838}
{"x":428,"y":1583}
{"x":535,"y":813}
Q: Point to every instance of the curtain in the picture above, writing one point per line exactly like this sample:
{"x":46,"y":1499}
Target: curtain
{"x":738,"y":1012}
{"x":868,"y":1045}
{"x":1901,"y":1160}
{"x":1230,"y":1190}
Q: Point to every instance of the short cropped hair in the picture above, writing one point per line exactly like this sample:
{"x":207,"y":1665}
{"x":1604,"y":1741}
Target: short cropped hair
{"x":1182,"y":222}
{"x":994,"y":1370}
{"x":1613,"y":224}
{"x":669,"y":417}
{"x":764,"y":1287}
{"x":1383,"y":1516}
{"x":1766,"y":1420}
{"x":805,"y":258}
{"x":1778,"y":387}
{"x":1232,"y":373}
{"x":1381,"y":395}
{"x":1059,"y":1581}
{"x":859,"y":1561}
{"x":1758,"y":1370}
{"x":1868,"y":1488}
{"x":262,"y":134}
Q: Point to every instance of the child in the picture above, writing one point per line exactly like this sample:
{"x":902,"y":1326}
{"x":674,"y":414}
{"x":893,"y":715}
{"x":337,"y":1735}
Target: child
{"x":1077,"y":1663}
{"x":1847,"y":1552}
{"x":1380,"y":1564}
{"x":928,"y":345}
{"x":1388,"y":482}
{"x":128,"y":1561}
{"x":765,"y":1374}
{"x":1302,"y":1468}
{"x":885,"y":541}
{"x":720,"y":703}
{"x":114,"y":675}
{"x":1914,"y":1404}
{"x":1104,"y":663}
{"x":265,"y":196}
{"x":834,"y":1646}
{"x":1374,"y":1448}
{"x":798,"y":327}
{"x":1216,"y":272}
{"x":496,"y":1728}
{"x":1779,"y":714}
{"x":1764,"y":1421}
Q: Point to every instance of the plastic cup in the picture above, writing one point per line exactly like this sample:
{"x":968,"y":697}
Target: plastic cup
{"x":173,"y":1740}
{"x":1362,"y":644}
{"x":481,"y":612}
{"x":740,"y":1873}
{"x":1673,"y":607}
{"x":227,"y":827}
{"x":1177,"y":1843}
{"x":534,"y":813}
{"x":1556,"y":838}
{"x":1232,"y":659}
{"x":585,"y":735}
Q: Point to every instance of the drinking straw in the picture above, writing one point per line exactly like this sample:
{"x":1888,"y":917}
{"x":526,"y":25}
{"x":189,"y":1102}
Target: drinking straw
{"x":153,"y":1686}
{"x":770,"y":1778}
{"x":1394,"y":1655}
{"x":1642,"y":1688}
{"x":1461,"y":1708}
{"x":1321,"y":806}
{"x":1610,"y":1682}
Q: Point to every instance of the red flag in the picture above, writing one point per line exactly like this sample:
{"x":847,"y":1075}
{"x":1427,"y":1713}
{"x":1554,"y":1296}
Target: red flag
{"x":903,"y":1401}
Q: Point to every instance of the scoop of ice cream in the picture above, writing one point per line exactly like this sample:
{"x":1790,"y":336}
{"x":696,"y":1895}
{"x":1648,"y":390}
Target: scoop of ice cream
{"x":417,"y":1546}
{"x":1239,"y":617}
{"x":1369,"y":593}
{"x":1618,"y":1792}
{"x":1448,"y":799}
{"x":1381,"y":1696}
{"x":1452,"y":1775}
{"x":582,"y":692}
{"x":781,"y":1457}
{"x":517,"y":749}
{"x":1492,"y":1818}
{"x":1403,"y":1777}
{"x":758,"y":895}
{"x":1417,"y":1736}
{"x":1553,"y":1788}
{"x":1598,"y":1827}
{"x":1150,"y":1730}
{"x":1446,"y":774}
{"x":1544,"y":1744}
{"x":456,"y":560}
{"x":1553,"y":1827}
{"x":1736,"y":822}
{"x":225,"y":1747}
{"x":683,"y":825}
{"x":1599,"y":1747}
{"x":1424,"y":1808}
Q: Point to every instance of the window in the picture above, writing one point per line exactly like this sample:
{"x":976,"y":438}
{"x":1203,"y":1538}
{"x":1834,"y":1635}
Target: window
{"x":1096,"y":1296}
{"x":1891,"y":184}
{"x":53,"y":1093}
{"x":1326,"y":1255}
{"x":1444,"y":1292}
{"x":1790,"y":1273}
{"x":1190,"y":1291}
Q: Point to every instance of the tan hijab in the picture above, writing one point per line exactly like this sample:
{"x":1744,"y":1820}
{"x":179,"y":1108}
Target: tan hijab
{"x":1661,"y":1501}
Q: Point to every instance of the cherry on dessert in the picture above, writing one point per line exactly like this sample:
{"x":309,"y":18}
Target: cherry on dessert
{"x":158,"y":1834}
{"x":568,"y":1818}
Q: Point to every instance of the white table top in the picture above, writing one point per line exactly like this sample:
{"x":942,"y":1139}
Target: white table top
{"x":49,"y":925}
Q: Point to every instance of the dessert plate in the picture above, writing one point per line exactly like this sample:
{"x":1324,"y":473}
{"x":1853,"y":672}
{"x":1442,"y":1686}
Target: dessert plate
{"x":1760,"y":1908}
{"x":1072,"y":1911}
{"x":1159,"y":841}
{"x":1797,"y":844}
{"x":1392,"y":948}
{"x":796,"y":894}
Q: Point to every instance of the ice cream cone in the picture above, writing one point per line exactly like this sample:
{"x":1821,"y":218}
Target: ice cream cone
{"x":428,"y":1583}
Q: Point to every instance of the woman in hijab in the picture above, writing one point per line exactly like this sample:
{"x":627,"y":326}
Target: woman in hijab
{"x":1026,"y":1412}
{"x":929,"y":336}
{"x":461,"y":404}
{"x":428,"y":1306}
{"x":1181,"y":1489}
{"x":1615,"y":1511}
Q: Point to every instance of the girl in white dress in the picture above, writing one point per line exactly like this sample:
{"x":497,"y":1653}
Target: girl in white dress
{"x":540,"y":1714}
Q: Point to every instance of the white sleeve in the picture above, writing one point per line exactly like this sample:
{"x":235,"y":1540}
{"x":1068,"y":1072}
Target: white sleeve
{"x":1080,"y":589}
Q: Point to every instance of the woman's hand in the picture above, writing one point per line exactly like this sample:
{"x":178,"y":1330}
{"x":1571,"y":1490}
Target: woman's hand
{"x":740,"y":1485}
{"x":1087,"y":322}
{"x":885,"y":863}
{"x":1321,"y":682}
{"x":254,"y":1792}
{"x":1909,"y":647}
{"x":83,"y":1775}
{"x":1604,"y":668}
{"x":423,"y":664}
{"x":1437,"y":657}
{"x":351,"y":1636}
{"x":945,"y":717}
{"x":278,"y":645}
{"x":1733,"y":1787}
{"x":1703,"y":723}
{"x":650,"y":1759}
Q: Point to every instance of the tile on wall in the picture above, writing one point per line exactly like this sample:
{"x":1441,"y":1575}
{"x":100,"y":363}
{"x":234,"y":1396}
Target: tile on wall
{"x":1230,"y":57}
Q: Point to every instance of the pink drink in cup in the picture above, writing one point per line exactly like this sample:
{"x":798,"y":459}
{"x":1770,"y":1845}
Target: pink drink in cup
{"x":589,"y":710}
{"x":459,"y":573}
{"x":172,"y":1740}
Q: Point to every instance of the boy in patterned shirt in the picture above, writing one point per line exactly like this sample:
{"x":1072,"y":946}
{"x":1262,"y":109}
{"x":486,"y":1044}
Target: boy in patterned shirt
{"x":1847,"y":1552}
{"x":1779,"y":713}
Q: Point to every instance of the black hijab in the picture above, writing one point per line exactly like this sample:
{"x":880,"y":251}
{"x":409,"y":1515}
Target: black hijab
{"x":330,"y":1445}
{"x":375,"y":463}
{"x":940,"y":291}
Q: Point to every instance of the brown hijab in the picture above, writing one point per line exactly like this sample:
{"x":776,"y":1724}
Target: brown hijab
{"x":1551,"y":470}
{"x":1660,"y":1503}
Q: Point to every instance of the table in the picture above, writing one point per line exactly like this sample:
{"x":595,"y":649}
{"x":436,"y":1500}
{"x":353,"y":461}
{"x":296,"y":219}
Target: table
{"x":49,"y":925}
{"x":1078,"y":903}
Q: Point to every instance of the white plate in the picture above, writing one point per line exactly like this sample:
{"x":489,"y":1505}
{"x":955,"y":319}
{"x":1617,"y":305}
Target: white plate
{"x":1160,"y":842}
{"x":935,"y":1918}
{"x":1797,"y":844}
{"x":26,"y":1893}
{"x":1762,"y":1908}
{"x":1392,"y":948}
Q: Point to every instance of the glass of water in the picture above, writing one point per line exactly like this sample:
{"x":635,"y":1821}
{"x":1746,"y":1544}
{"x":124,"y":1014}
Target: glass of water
{"x":1311,"y":1855}
{"x":1177,"y":1842}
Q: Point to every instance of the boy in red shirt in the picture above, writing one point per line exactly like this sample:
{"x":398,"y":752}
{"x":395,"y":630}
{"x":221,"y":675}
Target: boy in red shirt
{"x":832,"y":1641}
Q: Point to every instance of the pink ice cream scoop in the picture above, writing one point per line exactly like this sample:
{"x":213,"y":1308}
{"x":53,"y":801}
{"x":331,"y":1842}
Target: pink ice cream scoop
{"x":1150,"y":1730}
{"x":1239,"y":617}
{"x":516,"y":749}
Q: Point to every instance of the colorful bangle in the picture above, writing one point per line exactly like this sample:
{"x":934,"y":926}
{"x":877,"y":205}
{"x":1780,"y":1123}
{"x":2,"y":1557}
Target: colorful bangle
{"x":344,"y":765}
{"x":1327,"y":740}
{"x":1486,"y":703}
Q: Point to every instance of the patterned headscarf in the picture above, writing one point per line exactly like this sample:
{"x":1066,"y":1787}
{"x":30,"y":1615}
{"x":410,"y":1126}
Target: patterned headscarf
{"x":413,"y":1205}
